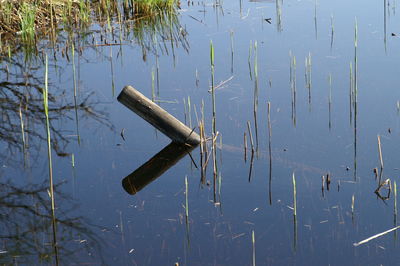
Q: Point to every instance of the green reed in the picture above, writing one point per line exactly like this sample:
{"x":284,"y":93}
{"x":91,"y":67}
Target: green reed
{"x":46,"y":111}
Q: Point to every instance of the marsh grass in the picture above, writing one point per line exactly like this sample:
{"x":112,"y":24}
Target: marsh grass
{"x":27,"y":16}
{"x":31,"y":21}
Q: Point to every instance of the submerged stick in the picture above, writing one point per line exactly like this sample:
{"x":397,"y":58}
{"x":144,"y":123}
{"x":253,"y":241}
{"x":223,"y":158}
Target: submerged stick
{"x":376,"y":236}
{"x":157,"y":116}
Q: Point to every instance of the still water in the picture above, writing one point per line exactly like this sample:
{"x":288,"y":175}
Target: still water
{"x":316,"y":129}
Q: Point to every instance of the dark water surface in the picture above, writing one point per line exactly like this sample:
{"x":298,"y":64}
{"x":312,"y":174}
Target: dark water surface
{"x":105,"y":225}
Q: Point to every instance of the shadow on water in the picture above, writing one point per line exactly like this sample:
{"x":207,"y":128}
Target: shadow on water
{"x":155,"y":167}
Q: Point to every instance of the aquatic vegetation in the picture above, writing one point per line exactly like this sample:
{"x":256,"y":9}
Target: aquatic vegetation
{"x":37,"y":20}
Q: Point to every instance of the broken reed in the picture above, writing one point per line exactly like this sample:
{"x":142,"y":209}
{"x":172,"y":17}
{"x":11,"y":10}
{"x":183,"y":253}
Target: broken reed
{"x":251,"y":137}
{"x":46,"y":111}
{"x":380,"y":152}
{"x":203,"y":146}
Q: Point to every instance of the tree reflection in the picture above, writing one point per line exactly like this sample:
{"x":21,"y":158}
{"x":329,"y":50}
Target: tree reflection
{"x":22,"y":119}
{"x":25,"y":226}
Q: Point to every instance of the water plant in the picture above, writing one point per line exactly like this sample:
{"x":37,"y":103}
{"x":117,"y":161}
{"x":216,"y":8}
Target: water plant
{"x":27,"y":16}
{"x":49,"y":157}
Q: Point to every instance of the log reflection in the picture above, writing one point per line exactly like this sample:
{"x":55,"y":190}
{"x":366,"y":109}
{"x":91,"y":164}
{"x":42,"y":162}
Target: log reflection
{"x":155,"y":167}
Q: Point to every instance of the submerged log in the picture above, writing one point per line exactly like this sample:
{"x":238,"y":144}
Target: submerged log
{"x":158,"y":117}
{"x":155,"y":167}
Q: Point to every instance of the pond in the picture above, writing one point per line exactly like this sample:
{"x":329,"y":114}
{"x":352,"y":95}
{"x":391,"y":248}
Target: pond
{"x":303,"y":166}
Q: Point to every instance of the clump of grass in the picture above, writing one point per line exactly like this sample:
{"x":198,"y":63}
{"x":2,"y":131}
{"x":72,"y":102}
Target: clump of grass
{"x":153,"y":7}
{"x":27,"y":16}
